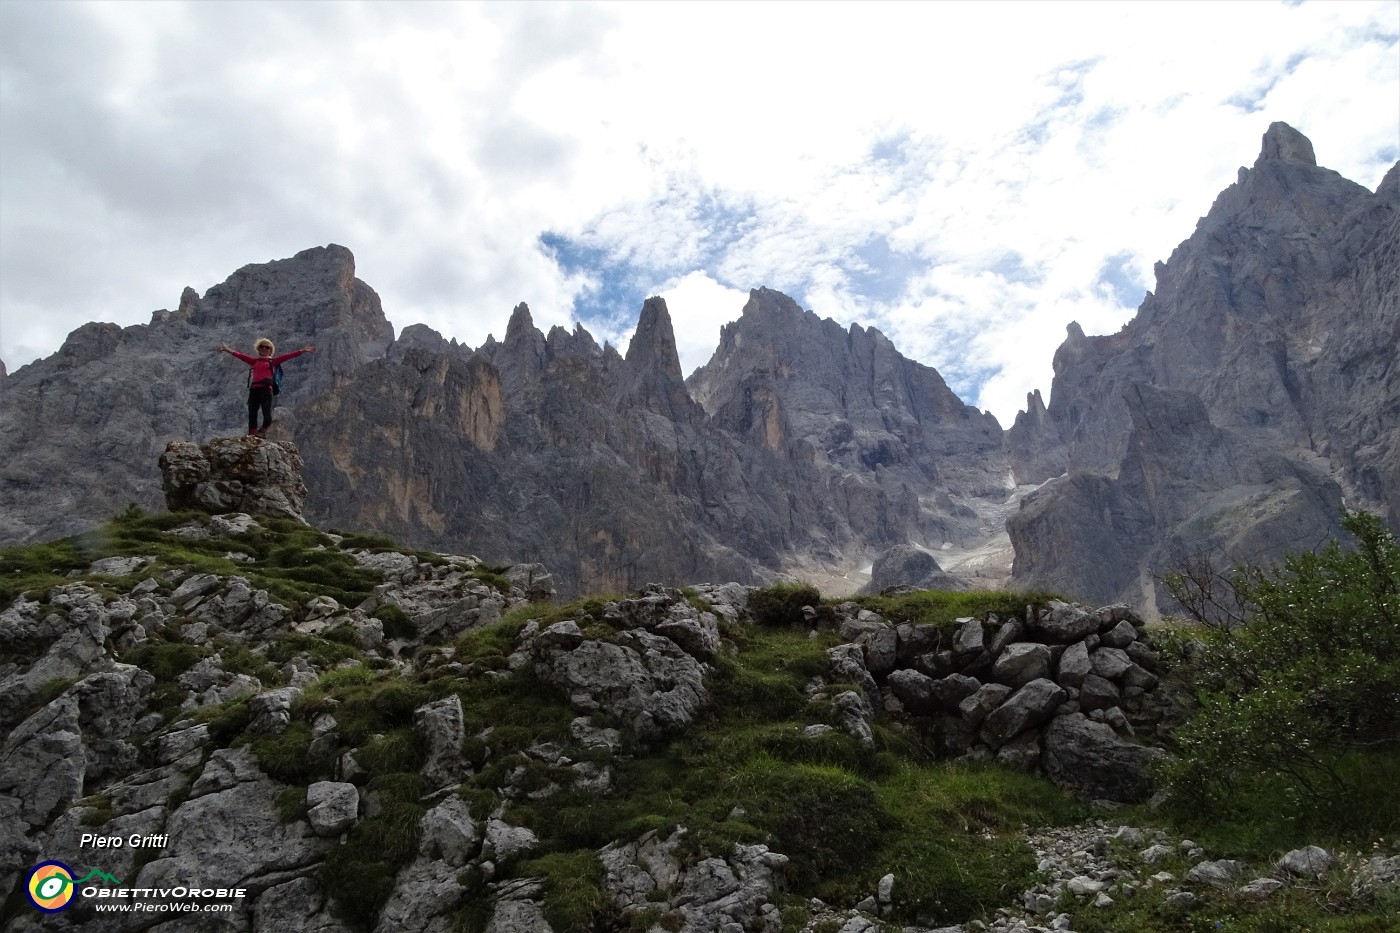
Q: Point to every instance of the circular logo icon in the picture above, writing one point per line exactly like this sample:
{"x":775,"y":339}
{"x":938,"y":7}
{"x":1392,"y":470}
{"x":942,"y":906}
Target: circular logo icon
{"x":50,"y":887}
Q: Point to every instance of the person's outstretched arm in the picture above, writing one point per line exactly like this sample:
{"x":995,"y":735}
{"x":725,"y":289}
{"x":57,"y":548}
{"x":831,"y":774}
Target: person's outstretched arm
{"x":225,"y":348}
{"x":279,"y":360}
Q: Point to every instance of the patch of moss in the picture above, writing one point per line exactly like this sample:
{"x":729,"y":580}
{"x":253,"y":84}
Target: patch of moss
{"x":322,"y":652}
{"x":488,"y":647}
{"x":398,"y":750}
{"x":237,"y":659}
{"x":358,"y":541}
{"x":39,"y":566}
{"x":496,"y":581}
{"x":166,"y":661}
{"x":101,"y":813}
{"x":225,"y":720}
{"x":291,"y":804}
{"x":779,"y":605}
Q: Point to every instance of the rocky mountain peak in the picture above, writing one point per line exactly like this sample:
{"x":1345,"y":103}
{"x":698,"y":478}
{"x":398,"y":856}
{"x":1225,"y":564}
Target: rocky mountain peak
{"x":312,"y":297}
{"x":522,"y":325}
{"x":579,"y":342}
{"x":189,"y":304}
{"x":1283,"y":143}
{"x":653,"y":346}
{"x":423,"y":336}
{"x":657,"y":383}
{"x":1236,"y":391}
{"x":1389,"y":188}
{"x":768,"y":303}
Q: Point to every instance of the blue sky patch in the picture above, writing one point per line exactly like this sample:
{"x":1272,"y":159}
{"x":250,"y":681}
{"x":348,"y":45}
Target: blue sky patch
{"x":1118,"y":276}
{"x":615,"y":296}
{"x":879,"y":272}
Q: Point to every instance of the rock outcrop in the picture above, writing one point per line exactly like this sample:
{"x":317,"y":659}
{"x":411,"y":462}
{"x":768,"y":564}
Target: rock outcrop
{"x":907,"y":565}
{"x":239,"y":474}
{"x":1184,"y":488}
{"x":1255,"y":388}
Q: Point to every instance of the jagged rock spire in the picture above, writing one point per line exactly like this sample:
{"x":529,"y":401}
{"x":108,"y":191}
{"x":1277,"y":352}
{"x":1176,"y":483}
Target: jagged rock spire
{"x":521,"y":324}
{"x":1283,"y":143}
{"x":653,"y":346}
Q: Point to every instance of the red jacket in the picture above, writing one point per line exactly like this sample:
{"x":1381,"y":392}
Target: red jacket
{"x":263,"y":366}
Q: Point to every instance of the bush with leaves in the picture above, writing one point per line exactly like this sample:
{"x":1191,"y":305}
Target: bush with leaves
{"x":1311,"y":676}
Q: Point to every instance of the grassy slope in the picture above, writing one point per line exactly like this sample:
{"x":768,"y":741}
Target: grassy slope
{"x":845,"y":815}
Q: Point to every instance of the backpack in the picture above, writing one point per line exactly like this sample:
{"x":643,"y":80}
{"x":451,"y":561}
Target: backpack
{"x":276,"y":379}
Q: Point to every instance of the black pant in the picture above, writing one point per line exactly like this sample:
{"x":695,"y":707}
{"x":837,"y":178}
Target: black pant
{"x":259,"y":397}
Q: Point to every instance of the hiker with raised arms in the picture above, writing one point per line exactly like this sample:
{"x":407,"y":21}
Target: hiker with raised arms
{"x":263,"y":380}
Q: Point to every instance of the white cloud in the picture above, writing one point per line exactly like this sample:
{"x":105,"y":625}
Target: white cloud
{"x":958,"y":174}
{"x":699,"y":307}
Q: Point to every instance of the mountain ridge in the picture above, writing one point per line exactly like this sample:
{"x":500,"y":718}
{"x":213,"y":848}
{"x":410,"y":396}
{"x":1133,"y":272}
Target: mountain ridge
{"x":804,"y":447}
{"x":1281,"y":314}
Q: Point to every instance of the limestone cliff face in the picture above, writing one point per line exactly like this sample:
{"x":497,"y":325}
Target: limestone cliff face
{"x":606,"y":470}
{"x":1185,"y":489}
{"x":1282,"y":312}
{"x":1273,"y":331}
{"x":845,"y":407}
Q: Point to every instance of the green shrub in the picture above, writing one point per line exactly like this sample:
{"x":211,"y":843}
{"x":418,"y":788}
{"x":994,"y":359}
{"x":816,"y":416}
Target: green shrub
{"x":397,"y":623}
{"x":1311,"y":677}
{"x":359,"y":876}
{"x":780,"y":604}
{"x":286,"y":756}
{"x":817,"y":816}
{"x":573,"y":896}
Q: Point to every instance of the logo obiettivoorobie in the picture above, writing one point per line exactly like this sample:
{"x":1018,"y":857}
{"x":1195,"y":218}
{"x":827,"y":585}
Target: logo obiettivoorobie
{"x":51,"y":886}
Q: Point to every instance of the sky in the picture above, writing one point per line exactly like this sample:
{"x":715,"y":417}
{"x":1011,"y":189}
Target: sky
{"x":966,"y":177}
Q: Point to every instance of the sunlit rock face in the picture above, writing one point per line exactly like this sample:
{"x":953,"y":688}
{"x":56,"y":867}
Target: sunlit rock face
{"x":1279,"y":318}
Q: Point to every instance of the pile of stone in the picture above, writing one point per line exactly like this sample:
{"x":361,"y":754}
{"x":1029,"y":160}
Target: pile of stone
{"x":1064,"y":689}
